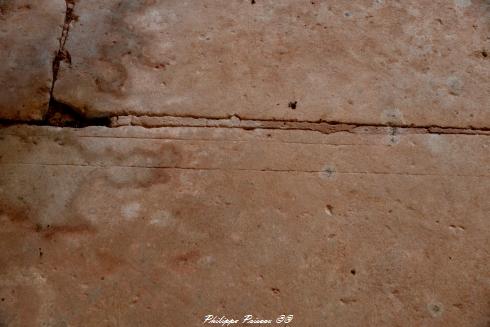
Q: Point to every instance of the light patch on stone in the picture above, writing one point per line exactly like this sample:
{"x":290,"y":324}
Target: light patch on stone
{"x":173,"y":100}
{"x":328,"y":172}
{"x":455,"y":85}
{"x":435,"y":309}
{"x":206,"y":260}
{"x":392,"y":116}
{"x":329,"y":210}
{"x":188,"y":186}
{"x":130,"y":210}
{"x":436,"y":143}
{"x":323,"y":13}
{"x":462,"y":3}
{"x":413,"y":12}
{"x":153,"y":20}
{"x":162,"y":218}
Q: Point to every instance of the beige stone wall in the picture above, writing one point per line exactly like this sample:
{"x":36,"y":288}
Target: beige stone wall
{"x":189,"y":163}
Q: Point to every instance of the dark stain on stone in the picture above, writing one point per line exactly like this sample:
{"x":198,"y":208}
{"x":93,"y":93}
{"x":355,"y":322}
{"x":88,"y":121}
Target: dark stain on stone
{"x":5,"y":7}
{"x":185,"y":262}
{"x":292,"y":104}
{"x":18,"y":215}
{"x":186,"y":257}
{"x":42,"y":90}
{"x":59,"y":230}
{"x":21,"y":217}
{"x":346,"y":300}
{"x":460,"y":306}
{"x":160,"y":66}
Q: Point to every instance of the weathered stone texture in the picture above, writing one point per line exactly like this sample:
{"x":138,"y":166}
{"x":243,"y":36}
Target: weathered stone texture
{"x":29,"y":32}
{"x":326,"y":159}
{"x":371,"y":61}
{"x":138,"y":227}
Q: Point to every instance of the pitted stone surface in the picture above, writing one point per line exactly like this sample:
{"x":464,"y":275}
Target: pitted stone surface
{"x":370,"y":61}
{"x":322,"y":159}
{"x":137,"y":227}
{"x":29,"y":32}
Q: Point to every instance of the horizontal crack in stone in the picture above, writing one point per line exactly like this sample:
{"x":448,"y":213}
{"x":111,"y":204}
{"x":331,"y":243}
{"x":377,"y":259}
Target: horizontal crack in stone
{"x":325,"y":127}
{"x":62,"y":115}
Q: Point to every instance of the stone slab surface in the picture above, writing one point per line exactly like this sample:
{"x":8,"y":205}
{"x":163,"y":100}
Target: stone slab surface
{"x":368,"y":61}
{"x":29,"y":32}
{"x":159,"y":227}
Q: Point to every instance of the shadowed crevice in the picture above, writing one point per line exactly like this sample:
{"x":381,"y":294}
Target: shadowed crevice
{"x":62,"y":115}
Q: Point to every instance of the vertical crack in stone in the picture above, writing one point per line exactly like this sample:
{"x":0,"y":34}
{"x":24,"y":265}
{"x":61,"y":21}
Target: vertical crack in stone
{"x":62,"y":54}
{"x":61,"y":114}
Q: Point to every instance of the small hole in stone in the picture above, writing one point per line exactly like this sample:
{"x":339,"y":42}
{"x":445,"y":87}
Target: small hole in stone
{"x":275,"y":290}
{"x":329,"y":209}
{"x":292,"y":104}
{"x":353,"y":271}
{"x":435,"y":308}
{"x":252,"y":2}
{"x":329,"y":172}
{"x":3,"y":299}
{"x":484,"y":54}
